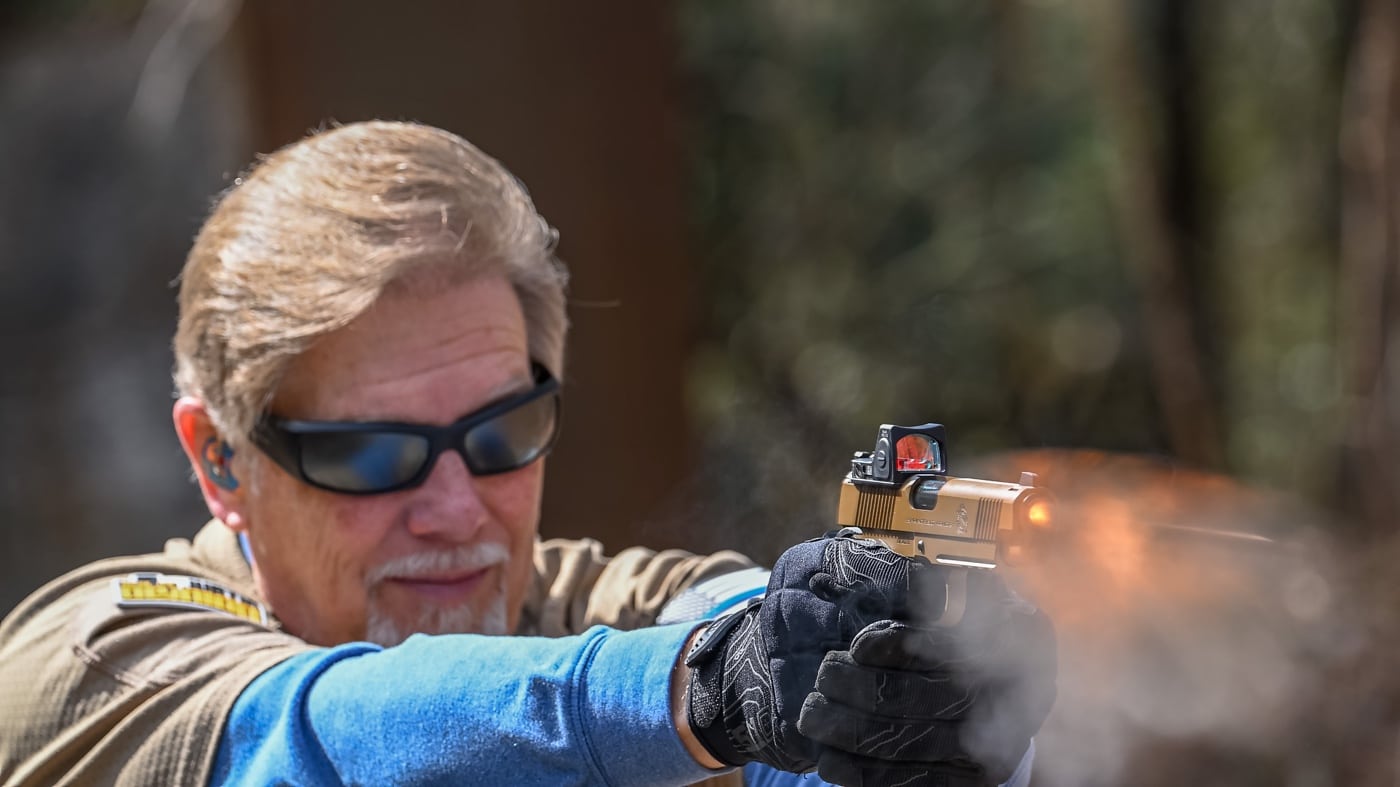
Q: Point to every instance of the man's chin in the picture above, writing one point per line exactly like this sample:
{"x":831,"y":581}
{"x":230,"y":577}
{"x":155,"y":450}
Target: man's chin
{"x":387,"y":629}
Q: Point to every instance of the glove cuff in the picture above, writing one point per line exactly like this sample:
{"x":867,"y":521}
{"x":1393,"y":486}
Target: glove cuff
{"x":704,"y":694}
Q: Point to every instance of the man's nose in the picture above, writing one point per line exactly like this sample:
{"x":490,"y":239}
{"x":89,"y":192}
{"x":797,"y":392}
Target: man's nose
{"x":448,"y":506}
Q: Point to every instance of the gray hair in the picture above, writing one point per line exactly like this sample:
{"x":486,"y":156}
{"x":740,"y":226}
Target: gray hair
{"x":312,"y":235}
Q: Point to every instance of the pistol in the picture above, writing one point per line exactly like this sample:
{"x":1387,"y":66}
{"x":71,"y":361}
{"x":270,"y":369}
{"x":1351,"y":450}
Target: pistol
{"x":901,"y":494}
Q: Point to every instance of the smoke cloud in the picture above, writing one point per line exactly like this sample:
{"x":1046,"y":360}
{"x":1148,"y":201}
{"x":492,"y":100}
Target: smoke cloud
{"x":1208,"y":633}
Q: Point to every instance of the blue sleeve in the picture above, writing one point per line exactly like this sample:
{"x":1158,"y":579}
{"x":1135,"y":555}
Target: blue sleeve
{"x":759,"y":775}
{"x":465,"y":709}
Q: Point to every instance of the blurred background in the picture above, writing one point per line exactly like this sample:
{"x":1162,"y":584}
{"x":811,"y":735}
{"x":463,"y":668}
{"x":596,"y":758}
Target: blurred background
{"x":1150,"y":249}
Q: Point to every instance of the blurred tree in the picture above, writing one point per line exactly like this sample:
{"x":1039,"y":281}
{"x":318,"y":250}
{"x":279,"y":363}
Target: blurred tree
{"x":1149,"y":88}
{"x":1370,"y":268}
{"x":1043,"y":224}
{"x":903,"y":218}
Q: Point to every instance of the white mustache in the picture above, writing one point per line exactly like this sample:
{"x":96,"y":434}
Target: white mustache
{"x":428,"y":565}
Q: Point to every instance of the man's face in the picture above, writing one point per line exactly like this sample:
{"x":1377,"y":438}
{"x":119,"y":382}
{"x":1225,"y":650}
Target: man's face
{"x":452,"y":555}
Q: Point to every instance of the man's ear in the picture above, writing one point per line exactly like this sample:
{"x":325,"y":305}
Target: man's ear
{"x":212,"y":459}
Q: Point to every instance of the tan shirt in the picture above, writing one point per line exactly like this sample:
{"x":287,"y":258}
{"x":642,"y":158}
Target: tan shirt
{"x":96,"y":693}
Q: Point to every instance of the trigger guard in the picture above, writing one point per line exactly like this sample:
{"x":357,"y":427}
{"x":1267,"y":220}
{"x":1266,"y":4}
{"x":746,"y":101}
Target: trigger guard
{"x":954,"y":599}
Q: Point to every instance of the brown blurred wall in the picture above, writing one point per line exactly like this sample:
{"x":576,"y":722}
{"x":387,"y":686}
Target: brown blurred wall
{"x":580,"y":101}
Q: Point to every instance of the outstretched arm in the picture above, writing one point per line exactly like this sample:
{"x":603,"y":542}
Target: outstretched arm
{"x":594,"y":708}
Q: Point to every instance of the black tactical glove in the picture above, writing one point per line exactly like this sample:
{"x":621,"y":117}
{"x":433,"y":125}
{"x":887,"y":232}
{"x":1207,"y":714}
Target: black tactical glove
{"x":752,"y":670}
{"x":930,"y":705}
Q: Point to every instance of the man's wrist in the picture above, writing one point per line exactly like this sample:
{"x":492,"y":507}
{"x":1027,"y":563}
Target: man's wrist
{"x":680,"y":683}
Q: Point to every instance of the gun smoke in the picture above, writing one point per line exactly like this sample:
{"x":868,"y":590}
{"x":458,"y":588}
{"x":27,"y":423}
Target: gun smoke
{"x":1208,"y":633}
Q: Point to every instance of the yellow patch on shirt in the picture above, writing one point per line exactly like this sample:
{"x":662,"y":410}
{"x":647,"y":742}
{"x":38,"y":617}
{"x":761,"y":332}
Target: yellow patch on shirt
{"x":174,"y":591}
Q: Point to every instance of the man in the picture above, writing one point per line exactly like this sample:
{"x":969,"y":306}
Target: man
{"x":370,"y":341}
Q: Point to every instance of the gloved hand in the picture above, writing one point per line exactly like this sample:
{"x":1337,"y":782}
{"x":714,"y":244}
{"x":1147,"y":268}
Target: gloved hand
{"x":752,"y":670}
{"x":919,"y":704}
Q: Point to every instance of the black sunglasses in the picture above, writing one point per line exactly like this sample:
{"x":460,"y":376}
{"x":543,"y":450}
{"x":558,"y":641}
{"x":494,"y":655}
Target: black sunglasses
{"x":370,"y":458}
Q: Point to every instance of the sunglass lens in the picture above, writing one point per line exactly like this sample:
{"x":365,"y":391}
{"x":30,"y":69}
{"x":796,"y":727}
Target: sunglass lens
{"x":362,"y":461}
{"x":512,"y":439}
